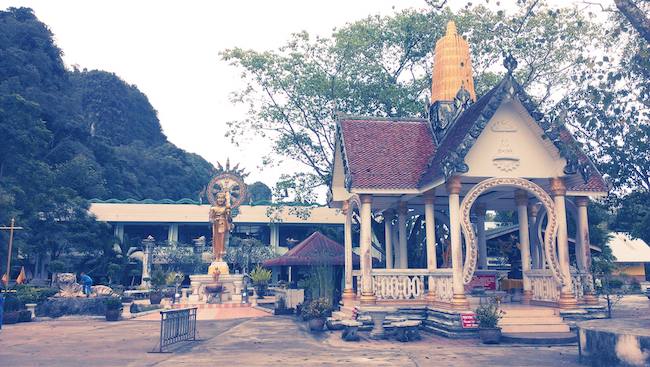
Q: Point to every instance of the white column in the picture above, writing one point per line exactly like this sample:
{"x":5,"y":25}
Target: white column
{"x":367,"y":294}
{"x":585,"y":249}
{"x":348,"y":291}
{"x":388,"y":238}
{"x":536,"y":253}
{"x":459,"y":300}
{"x":172,"y":232}
{"x":480,"y":229}
{"x":430,"y":230}
{"x":521,"y":199}
{"x":274,"y":237}
{"x":567,"y":297}
{"x":403,"y":238}
{"x":118,"y":232}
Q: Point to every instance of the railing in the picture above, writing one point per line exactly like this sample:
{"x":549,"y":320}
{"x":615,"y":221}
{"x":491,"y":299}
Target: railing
{"x":408,"y":284}
{"x":543,"y":285}
{"x":176,"y":326}
{"x":399,"y":284}
{"x":578,"y":282}
{"x":443,"y":285}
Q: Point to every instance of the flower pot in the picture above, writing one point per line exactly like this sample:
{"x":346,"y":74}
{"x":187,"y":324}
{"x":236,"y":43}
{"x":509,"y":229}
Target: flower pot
{"x":261,"y":290}
{"x":490,"y":335}
{"x":113,"y":315}
{"x":24,"y":316}
{"x":155,"y":298}
{"x":316,"y":324}
{"x":10,"y":317}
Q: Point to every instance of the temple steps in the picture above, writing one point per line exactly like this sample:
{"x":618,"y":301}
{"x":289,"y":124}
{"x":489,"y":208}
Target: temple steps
{"x":532,"y":320}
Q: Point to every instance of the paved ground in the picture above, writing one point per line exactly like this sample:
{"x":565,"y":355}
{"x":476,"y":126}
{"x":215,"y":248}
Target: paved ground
{"x":216,"y":314}
{"x":262,"y":341}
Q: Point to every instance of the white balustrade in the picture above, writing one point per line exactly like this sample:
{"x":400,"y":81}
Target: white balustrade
{"x":408,"y":284}
{"x":443,"y":291}
{"x":543,"y":285}
{"x":577,"y":281}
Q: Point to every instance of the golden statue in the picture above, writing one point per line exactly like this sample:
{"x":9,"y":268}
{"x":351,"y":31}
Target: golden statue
{"x":221,"y":219}
{"x":226,"y":191}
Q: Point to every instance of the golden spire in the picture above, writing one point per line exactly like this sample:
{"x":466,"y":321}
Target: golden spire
{"x":452,"y":67}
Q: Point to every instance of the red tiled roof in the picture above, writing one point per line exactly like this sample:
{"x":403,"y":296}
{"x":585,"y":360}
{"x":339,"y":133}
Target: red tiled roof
{"x":595,"y":182}
{"x":385,"y":154}
{"x":316,"y":249}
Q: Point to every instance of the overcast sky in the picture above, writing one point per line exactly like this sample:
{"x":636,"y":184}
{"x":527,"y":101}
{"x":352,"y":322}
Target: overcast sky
{"x":169,"y":49}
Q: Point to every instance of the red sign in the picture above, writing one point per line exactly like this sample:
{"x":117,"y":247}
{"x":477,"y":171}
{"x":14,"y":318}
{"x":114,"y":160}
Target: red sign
{"x":468,"y":320}
{"x":487,"y":281}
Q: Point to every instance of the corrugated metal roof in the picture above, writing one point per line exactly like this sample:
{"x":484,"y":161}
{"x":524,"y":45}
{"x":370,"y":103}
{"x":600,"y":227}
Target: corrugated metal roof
{"x":627,"y":249}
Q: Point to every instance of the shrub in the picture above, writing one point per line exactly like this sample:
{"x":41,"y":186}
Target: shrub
{"x":31,"y":294}
{"x":317,"y":308}
{"x":615,"y":284}
{"x":158,"y":279}
{"x":57,"y":307}
{"x":489,"y":314}
{"x":113,"y":303}
{"x":260,"y":276}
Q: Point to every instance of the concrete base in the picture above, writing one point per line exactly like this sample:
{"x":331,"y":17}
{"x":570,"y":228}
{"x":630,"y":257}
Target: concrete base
{"x":540,"y":338}
{"x":230,"y":282}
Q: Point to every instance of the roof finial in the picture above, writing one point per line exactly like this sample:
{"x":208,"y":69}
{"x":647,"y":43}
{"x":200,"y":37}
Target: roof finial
{"x":509,"y":62}
{"x":451,"y":28}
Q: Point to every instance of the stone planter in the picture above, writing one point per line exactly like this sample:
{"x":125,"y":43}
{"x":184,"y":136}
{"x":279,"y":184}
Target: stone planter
{"x":113,"y":315}
{"x":490,"y":335}
{"x":316,"y":324}
{"x":32,"y":308}
{"x":155,"y":298}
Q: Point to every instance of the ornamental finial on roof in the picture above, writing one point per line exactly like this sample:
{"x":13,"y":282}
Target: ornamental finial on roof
{"x":509,"y":62}
{"x":451,"y":28}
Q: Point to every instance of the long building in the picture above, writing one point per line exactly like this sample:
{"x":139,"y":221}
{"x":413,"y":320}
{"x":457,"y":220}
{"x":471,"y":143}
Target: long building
{"x":186,"y":222}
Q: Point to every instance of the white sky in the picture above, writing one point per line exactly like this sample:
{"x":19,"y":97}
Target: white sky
{"x":169,"y":49}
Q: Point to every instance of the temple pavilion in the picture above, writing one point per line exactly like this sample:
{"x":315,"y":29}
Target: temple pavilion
{"x":472,"y":155}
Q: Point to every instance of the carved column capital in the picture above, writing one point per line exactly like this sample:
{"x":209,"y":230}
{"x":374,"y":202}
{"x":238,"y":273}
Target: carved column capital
{"x":521,"y":197}
{"x":366,"y":199}
{"x":558,"y":188}
{"x":429,"y":196}
{"x":454,"y":185}
{"x":581,"y":201}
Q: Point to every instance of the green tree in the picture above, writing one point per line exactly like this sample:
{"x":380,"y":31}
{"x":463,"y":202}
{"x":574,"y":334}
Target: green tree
{"x":380,"y":66}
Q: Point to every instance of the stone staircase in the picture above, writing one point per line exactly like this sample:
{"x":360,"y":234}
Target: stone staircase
{"x":535,"y":325}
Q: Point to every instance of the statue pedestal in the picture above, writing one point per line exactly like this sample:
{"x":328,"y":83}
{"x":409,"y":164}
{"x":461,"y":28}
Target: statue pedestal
{"x":220,"y":266}
{"x":230,"y":283}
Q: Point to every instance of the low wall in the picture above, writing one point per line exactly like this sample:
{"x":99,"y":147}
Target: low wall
{"x":614,"y":342}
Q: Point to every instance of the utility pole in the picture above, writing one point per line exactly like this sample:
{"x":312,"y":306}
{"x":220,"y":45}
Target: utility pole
{"x":11,"y":229}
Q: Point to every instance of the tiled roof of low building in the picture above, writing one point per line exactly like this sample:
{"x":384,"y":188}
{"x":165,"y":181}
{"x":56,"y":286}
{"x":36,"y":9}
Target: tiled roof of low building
{"x":316,"y":249}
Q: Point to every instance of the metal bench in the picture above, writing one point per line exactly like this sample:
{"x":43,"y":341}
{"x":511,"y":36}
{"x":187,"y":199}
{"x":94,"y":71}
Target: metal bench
{"x":407,"y":331}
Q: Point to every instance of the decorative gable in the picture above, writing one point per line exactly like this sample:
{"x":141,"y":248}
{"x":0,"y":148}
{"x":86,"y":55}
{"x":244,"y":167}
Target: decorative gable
{"x":511,"y":145}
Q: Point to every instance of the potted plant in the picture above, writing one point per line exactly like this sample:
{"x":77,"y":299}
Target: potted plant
{"x":158,"y":281}
{"x":488,"y":316}
{"x":113,"y":308}
{"x":260,"y":278}
{"x":316,"y":312}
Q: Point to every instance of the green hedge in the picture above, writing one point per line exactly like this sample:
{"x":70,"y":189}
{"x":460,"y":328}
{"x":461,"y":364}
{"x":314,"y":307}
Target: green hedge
{"x":57,"y":307}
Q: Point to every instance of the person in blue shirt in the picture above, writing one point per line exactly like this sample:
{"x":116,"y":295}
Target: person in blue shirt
{"x":86,"y":282}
